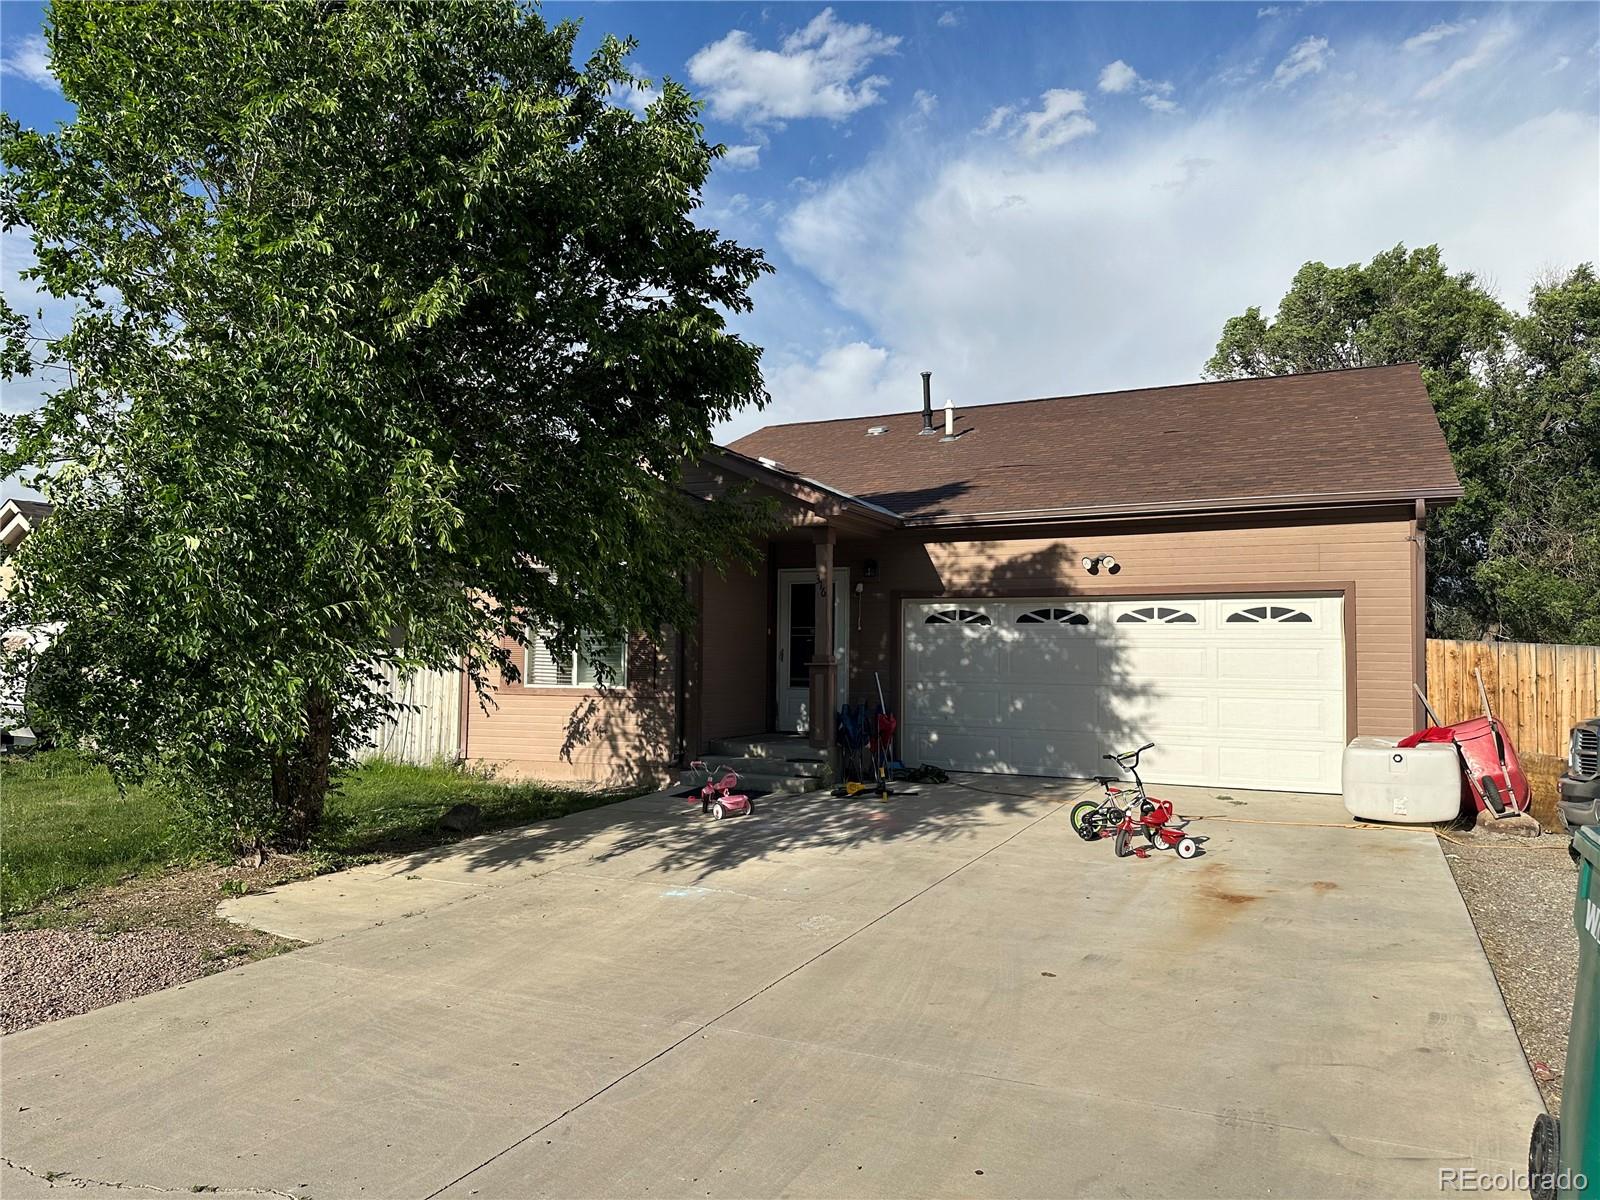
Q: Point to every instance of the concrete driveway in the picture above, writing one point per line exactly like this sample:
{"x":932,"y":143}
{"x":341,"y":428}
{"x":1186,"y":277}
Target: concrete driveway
{"x":944,"y":995}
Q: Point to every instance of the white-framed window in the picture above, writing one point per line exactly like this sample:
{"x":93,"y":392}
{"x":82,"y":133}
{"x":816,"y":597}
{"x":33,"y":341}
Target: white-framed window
{"x":543,"y":669}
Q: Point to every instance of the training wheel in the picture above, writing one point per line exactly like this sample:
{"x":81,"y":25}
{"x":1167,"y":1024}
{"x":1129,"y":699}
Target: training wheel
{"x":1187,"y":848}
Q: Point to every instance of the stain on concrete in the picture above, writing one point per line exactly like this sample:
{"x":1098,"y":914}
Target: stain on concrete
{"x":1223,"y":896}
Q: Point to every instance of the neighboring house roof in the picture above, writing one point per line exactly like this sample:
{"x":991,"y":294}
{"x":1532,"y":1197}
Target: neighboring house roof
{"x":1336,"y":437}
{"x":19,"y":518}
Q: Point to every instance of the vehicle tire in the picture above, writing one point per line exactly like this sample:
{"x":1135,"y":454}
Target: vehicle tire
{"x":1080,"y":811}
{"x":749,"y":807}
{"x":1187,"y":848}
{"x":1544,"y":1157}
{"x":1121,"y":844}
{"x":718,"y":811}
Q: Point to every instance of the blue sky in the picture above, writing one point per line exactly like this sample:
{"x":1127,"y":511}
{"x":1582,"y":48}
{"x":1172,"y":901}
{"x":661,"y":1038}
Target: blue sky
{"x":1033,"y":199}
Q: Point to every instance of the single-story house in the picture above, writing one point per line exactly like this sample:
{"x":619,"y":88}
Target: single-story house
{"x":1231,"y":570}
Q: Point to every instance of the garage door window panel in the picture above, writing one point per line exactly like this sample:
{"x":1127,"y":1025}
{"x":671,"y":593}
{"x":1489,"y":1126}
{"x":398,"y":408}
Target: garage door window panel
{"x":1280,"y":614}
{"x":1157,"y":615}
{"x":957,"y":616}
{"x":1052,"y":616}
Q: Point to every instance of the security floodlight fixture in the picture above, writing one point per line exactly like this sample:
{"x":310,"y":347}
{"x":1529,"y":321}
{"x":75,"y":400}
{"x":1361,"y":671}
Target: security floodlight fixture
{"x":1088,"y":563}
{"x":1092,"y":563}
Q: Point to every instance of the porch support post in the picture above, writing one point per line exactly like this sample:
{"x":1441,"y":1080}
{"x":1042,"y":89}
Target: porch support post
{"x":824,"y":667}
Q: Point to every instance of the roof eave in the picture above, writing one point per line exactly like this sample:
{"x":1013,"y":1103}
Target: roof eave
{"x":1208,"y":507}
{"x":820,"y":497}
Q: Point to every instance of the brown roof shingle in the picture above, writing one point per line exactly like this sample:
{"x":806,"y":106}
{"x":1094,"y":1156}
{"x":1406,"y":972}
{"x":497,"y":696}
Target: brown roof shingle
{"x":34,"y":510}
{"x":1367,"y":433}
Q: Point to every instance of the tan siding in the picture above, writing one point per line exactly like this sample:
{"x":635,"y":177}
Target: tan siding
{"x":1374,"y":555}
{"x":581,"y":734}
{"x":734,"y":680}
{"x":566,"y":734}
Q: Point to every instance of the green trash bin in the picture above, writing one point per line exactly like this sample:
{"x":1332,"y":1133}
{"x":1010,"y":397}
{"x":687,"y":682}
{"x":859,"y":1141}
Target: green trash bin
{"x":1564,"y":1156}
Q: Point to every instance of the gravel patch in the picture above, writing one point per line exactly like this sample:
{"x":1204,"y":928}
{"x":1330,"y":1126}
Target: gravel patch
{"x":128,"y":941}
{"x":1520,"y":894}
{"x":53,"y":973}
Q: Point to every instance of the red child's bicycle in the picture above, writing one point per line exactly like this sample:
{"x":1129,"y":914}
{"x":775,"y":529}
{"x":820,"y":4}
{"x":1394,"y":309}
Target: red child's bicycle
{"x":1123,"y":813}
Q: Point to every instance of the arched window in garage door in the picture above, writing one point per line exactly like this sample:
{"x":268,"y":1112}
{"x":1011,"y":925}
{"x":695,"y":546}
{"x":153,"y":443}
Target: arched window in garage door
{"x":1052,"y":616}
{"x":1156,"y":614}
{"x":957,"y":616}
{"x":1269,"y":613}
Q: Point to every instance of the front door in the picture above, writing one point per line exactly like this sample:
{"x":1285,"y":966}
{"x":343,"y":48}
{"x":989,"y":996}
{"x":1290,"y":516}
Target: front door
{"x":797,"y":591}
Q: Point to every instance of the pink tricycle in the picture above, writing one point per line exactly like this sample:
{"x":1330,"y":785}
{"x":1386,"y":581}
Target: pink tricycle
{"x":718,"y":797}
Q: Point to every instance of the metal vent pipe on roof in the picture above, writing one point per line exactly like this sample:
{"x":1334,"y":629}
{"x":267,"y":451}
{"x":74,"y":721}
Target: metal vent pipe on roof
{"x":927,"y":403}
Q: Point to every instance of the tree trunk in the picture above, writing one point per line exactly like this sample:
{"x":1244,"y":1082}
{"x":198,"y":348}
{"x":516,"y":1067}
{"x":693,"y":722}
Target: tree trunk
{"x":300,"y":777}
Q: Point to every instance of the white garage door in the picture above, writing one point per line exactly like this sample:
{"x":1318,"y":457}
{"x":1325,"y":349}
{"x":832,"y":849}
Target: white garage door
{"x":1244,"y":693}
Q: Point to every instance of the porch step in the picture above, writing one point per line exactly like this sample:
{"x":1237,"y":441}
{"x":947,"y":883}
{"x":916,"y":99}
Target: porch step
{"x":768,"y":766}
{"x":760,"y":784}
{"x":769,"y":746}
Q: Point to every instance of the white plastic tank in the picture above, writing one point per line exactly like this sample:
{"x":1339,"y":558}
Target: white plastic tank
{"x":1415,"y":786}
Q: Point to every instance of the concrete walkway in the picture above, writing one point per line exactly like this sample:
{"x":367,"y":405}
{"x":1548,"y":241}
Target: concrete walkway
{"x":943,"y":995}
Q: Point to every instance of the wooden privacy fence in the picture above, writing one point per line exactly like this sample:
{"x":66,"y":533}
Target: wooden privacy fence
{"x":1539,"y":691}
{"x":431,"y":729}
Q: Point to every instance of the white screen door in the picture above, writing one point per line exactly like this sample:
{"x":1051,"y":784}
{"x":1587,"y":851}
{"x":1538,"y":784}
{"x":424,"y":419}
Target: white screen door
{"x":797,"y":590}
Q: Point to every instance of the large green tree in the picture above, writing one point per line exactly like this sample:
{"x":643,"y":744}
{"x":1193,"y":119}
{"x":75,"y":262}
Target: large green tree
{"x":394,"y":332}
{"x":1540,"y":571}
{"x":1515,"y":397}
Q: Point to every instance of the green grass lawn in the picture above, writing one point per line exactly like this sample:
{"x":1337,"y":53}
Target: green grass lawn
{"x":64,"y":827}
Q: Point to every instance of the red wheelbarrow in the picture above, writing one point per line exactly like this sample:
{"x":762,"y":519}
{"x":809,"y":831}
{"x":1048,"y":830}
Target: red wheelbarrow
{"x":1491,"y":773}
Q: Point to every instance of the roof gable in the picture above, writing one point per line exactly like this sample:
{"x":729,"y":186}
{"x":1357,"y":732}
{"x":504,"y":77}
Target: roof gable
{"x":19,"y":517}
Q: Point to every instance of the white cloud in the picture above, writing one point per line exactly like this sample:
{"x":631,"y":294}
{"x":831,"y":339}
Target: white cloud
{"x":817,"y":72}
{"x":1309,"y":56}
{"x":856,"y":369}
{"x":1487,"y":49}
{"x":742,"y":158}
{"x":1562,"y":62}
{"x":1116,"y":267}
{"x":1238,"y":73}
{"x":1435,"y":33}
{"x":997,"y":118}
{"x":1059,"y":120}
{"x":949,"y":18}
{"x":29,"y":58}
{"x":1117,"y":77}
{"x":1062,"y":116}
{"x":924,"y":102}
{"x":637,"y":95}
{"x":1270,"y":10}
